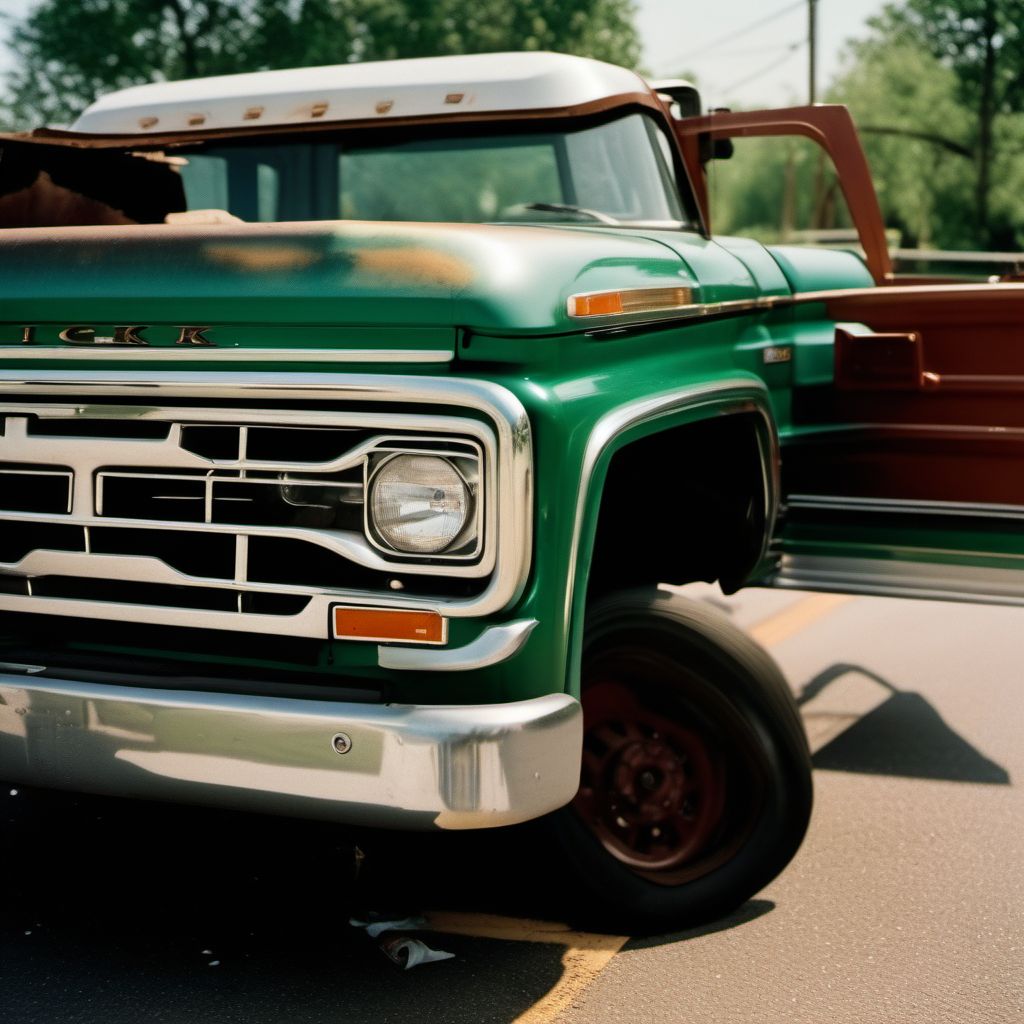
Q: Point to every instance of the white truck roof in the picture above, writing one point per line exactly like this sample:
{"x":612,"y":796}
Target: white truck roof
{"x":421,"y":87}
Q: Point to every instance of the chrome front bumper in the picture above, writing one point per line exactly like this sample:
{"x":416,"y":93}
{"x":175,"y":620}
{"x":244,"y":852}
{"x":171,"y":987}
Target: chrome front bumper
{"x":416,"y":767}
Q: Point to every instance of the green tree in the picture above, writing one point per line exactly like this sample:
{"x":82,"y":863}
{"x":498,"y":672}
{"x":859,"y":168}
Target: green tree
{"x":981,"y":42}
{"x":71,"y":52}
{"x":917,"y":134}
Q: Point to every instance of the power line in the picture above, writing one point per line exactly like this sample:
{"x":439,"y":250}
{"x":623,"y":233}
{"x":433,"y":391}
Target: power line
{"x":739,"y":33}
{"x":752,"y":51}
{"x":790,"y":50}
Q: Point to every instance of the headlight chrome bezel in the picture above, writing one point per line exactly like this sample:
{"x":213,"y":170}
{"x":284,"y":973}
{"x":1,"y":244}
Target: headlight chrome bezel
{"x":466,"y":458}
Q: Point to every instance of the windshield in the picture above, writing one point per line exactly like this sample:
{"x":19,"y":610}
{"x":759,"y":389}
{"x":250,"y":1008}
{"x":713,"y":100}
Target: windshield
{"x":616,"y":172}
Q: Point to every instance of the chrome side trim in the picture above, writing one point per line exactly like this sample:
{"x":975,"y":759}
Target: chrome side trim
{"x":215,"y":354}
{"x":733,"y":394}
{"x":495,"y":644}
{"x":885,"y":578}
{"x":691,"y":311}
{"x":511,"y":505}
{"x":406,"y":766}
{"x":905,"y":506}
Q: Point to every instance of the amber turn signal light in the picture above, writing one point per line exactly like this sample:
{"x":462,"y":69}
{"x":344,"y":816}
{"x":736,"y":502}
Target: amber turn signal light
{"x":630,"y":301}
{"x":386,"y":625}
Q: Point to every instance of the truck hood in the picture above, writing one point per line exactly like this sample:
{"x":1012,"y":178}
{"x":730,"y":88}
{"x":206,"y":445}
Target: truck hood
{"x":325,"y":276}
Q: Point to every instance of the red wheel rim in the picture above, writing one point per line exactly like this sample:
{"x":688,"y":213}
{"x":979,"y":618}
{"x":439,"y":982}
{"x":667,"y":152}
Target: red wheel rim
{"x":659,"y":785}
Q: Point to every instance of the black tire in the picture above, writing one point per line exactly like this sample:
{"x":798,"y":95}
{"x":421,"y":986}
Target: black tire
{"x":697,"y":718}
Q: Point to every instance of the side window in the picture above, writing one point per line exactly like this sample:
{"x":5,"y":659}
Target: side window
{"x":779,"y":191}
{"x":260,"y":183}
{"x":205,"y":180}
{"x":598,"y":156}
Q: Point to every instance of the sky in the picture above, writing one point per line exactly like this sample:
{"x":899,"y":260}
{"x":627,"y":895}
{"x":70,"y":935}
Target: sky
{"x":747,"y":52}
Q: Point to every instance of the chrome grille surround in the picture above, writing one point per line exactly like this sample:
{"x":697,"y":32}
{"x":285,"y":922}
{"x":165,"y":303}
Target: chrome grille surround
{"x":501,"y":442}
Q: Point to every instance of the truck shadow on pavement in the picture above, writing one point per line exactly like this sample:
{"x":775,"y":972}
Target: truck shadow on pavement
{"x":120,"y":911}
{"x":904,"y":735}
{"x":114,"y":911}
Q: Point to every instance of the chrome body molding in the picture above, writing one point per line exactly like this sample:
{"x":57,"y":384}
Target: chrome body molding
{"x":733,"y":394}
{"x":901,"y":578}
{"x":495,"y":644}
{"x":405,"y":766}
{"x":903,"y":506}
{"x":690,"y":311}
{"x":216,"y":354}
{"x":506,"y":441}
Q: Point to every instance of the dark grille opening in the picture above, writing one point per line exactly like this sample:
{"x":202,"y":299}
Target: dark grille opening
{"x":18,"y":539}
{"x":275,"y":560}
{"x":249,"y":504}
{"x":211,"y":442}
{"x":175,"y":498}
{"x":219,"y":660}
{"x":272,"y":444}
{"x":300,"y":444}
{"x":166,"y":595}
{"x":332,"y":502}
{"x":195,"y":554}
{"x":260,"y":499}
{"x":44,"y":489}
{"x":130,"y":428}
{"x":297,"y":563}
{"x":273,"y":604}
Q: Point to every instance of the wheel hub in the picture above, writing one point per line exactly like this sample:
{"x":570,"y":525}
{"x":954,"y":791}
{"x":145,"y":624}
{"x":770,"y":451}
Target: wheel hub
{"x":647,"y":781}
{"x":652,"y":790}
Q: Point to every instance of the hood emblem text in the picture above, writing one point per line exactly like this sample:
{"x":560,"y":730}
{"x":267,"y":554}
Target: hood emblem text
{"x":82,"y":334}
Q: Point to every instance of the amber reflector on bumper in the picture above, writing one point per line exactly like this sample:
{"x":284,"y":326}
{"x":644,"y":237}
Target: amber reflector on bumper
{"x":631,"y":301}
{"x":382,"y":624}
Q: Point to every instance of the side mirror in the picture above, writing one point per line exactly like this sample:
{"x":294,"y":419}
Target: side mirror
{"x":681,"y":96}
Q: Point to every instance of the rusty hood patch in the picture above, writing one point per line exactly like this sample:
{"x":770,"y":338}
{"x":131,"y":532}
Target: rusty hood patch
{"x":487,"y":278}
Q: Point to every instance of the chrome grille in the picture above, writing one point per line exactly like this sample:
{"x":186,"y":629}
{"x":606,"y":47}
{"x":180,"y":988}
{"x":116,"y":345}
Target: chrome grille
{"x":237,"y":518}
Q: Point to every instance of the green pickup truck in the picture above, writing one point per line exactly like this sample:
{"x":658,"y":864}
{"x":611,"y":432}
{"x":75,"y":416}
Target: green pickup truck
{"x":359,"y":424}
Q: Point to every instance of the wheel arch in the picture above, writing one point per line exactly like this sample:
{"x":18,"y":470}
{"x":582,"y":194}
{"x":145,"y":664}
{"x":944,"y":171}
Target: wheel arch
{"x":653,"y":424}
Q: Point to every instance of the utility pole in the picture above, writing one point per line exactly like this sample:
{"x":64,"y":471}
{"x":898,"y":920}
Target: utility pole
{"x":812,"y":50}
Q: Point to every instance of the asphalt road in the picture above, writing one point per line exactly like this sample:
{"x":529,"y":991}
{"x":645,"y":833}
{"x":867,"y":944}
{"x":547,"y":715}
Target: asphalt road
{"x":906,"y":902}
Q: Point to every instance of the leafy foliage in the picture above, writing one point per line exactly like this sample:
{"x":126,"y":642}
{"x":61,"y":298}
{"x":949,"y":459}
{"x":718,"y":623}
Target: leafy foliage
{"x":71,"y":52}
{"x":937,"y":91}
{"x":964,"y":75}
{"x":917,"y":135}
{"x":775,"y":189}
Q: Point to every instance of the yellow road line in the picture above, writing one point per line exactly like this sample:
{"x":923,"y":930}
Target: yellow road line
{"x":586,"y":954}
{"x":796,"y":617}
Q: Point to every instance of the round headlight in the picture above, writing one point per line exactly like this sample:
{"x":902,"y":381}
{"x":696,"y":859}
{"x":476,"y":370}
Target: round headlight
{"x":419,"y":504}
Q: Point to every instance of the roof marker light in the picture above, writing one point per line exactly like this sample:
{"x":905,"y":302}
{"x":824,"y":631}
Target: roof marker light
{"x":630,"y":302}
{"x":384,"y":106}
{"x":454,"y":97}
{"x":252,"y":113}
{"x":148,"y":122}
{"x":195,"y":120}
{"x":319,"y":109}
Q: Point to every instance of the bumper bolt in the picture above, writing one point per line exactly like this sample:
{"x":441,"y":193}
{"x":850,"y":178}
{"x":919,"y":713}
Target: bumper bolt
{"x":341,"y":743}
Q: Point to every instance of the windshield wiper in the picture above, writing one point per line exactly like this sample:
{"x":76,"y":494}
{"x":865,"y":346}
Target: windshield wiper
{"x":580,"y":211}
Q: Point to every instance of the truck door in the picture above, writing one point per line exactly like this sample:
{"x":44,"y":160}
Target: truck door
{"x":903,"y":448}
